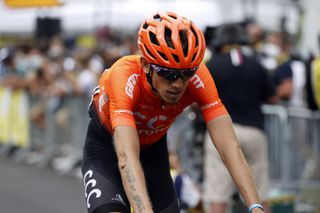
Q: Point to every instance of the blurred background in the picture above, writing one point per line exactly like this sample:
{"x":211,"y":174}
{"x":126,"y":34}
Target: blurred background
{"x":52,"y":53}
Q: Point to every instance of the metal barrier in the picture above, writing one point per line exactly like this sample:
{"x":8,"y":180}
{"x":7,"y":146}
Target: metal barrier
{"x":293,"y":146}
{"x":275,"y":127}
{"x":65,"y":125}
{"x":185,"y":137}
{"x":293,"y":135}
{"x":64,"y":128}
{"x":294,"y":141}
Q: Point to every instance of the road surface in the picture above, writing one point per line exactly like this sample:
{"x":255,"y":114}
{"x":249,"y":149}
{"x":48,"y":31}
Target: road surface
{"x":28,"y":189}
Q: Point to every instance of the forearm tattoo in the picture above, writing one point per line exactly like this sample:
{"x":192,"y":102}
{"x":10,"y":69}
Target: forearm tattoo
{"x":131,"y":182}
{"x":139,"y":203}
{"x":130,"y":178}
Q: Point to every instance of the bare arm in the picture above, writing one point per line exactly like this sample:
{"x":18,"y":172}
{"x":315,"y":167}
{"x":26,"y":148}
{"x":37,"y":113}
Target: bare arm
{"x":128,"y":150}
{"x":223,"y":136}
{"x":284,"y":90}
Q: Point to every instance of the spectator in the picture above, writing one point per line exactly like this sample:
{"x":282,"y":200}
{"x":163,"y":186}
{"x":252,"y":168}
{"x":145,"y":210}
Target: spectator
{"x":313,"y":82}
{"x":312,"y":168}
{"x":255,"y":36}
{"x":290,"y":81}
{"x":275,"y":50}
{"x":84,"y":78}
{"x":243,"y":85}
{"x":6,"y":62}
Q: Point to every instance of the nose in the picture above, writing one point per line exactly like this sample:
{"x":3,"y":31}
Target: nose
{"x":178,"y":83}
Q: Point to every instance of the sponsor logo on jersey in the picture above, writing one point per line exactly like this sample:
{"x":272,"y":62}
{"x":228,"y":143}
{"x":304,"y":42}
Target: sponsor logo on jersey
{"x":139,"y":115}
{"x":90,"y":188}
{"x":131,"y":83}
{"x":152,"y":131}
{"x":152,"y":122}
{"x":142,"y":117}
{"x":197,"y":82}
{"x":123,"y":111}
{"x":155,"y":125}
{"x":204,"y":107}
{"x":118,"y":198}
{"x":103,"y":99}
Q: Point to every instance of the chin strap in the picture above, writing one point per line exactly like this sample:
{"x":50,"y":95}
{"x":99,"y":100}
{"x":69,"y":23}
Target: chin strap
{"x":149,"y":79}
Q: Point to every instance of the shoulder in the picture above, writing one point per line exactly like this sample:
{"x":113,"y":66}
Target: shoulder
{"x":202,"y":73}
{"x":202,"y":79}
{"x":123,"y":75}
{"x":284,"y":69}
{"x":130,"y":61}
{"x":124,"y":68}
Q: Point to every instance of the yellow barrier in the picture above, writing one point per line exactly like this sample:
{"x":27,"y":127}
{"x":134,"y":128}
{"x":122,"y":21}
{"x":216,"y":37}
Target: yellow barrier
{"x":14,"y":117}
{"x":4,"y":118}
{"x":315,"y":80}
{"x":31,"y":3}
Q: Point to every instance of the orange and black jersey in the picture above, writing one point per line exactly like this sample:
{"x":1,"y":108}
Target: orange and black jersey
{"x":124,"y":97}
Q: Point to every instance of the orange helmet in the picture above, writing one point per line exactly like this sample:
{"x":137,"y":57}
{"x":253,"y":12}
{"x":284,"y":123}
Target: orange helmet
{"x":172,"y":41}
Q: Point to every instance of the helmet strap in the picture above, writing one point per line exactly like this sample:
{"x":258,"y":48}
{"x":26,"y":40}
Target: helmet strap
{"x":149,"y":79}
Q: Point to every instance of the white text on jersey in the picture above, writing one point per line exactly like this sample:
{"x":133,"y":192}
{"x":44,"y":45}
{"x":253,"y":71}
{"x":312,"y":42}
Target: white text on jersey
{"x":132,"y":81}
{"x":196,"y":80}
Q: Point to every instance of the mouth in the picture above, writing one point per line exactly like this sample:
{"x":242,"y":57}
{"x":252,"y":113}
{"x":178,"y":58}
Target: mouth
{"x":174,"y":93}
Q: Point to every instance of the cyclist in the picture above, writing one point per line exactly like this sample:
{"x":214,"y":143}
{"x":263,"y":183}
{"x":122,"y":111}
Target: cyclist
{"x":125,"y":162}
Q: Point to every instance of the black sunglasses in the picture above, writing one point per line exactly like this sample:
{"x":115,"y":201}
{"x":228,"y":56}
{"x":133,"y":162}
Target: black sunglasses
{"x":174,"y":74}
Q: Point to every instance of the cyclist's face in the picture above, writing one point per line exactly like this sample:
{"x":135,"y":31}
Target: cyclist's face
{"x":170,"y":91}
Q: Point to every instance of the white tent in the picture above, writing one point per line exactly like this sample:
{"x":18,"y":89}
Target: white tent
{"x":85,"y":16}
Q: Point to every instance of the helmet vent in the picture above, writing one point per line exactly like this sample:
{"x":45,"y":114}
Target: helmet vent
{"x":167,"y":35}
{"x":184,"y":42}
{"x":145,"y":26}
{"x":157,"y":17}
{"x":194,"y":56}
{"x":172,"y":16}
{"x":149,"y":52}
{"x":176,"y":58}
{"x":153,"y":38}
{"x":195,"y":35}
{"x":163,"y":56}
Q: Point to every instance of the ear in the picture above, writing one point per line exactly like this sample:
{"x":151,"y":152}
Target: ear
{"x":144,"y":64}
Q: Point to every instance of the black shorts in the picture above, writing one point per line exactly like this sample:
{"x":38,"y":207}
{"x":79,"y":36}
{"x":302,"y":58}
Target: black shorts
{"x":104,"y":191}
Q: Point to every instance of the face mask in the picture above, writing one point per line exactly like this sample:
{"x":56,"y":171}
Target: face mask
{"x":271,"y":50}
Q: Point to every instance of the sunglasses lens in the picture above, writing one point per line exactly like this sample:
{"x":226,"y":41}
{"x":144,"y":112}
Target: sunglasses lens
{"x":189,"y":73}
{"x":163,"y":73}
{"x":171,"y":74}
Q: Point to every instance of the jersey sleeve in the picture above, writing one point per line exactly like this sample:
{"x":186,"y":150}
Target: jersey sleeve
{"x":122,"y":92}
{"x":206,"y":95}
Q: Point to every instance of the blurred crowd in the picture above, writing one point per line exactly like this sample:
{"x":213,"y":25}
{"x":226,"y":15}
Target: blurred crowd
{"x":71,"y":66}
{"x":50,"y":69}
{"x":289,"y":70}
